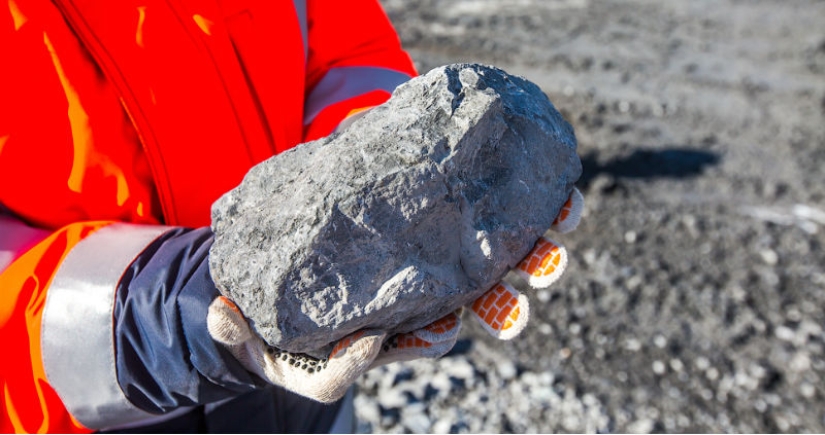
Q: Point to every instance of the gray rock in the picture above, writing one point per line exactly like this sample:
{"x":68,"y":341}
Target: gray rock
{"x":415,"y":210}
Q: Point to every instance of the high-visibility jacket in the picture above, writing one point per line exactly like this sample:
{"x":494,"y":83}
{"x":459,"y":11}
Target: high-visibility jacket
{"x":122,"y":120}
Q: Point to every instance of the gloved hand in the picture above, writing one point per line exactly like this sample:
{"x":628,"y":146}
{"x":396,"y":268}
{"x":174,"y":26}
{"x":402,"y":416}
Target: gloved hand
{"x":325,"y":380}
{"x":502,"y":311}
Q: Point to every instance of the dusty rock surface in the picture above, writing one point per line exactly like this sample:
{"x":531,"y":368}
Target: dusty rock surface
{"x":415,"y":210}
{"x":693,"y":300}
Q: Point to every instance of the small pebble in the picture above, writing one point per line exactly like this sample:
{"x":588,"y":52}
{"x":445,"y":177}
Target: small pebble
{"x":660,"y":341}
{"x":760,"y":405}
{"x":769,"y":256}
{"x":544,"y":295}
{"x":624,"y":106}
{"x":784,"y":333}
{"x":545,"y":329}
{"x":506,"y":369}
{"x":574,"y":328}
{"x":676,"y":365}
{"x":658,"y":367}
{"x":807,"y":390}
{"x":641,"y":426}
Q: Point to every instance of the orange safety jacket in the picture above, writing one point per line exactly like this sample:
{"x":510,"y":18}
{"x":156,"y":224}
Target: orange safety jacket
{"x":144,"y":112}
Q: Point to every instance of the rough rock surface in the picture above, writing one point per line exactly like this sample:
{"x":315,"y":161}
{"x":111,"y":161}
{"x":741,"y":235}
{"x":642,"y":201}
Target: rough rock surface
{"x":416,"y":209}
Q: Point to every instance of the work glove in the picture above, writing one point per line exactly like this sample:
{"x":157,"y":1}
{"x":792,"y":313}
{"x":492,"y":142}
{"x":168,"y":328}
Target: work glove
{"x":502,"y":311}
{"x":325,"y":379}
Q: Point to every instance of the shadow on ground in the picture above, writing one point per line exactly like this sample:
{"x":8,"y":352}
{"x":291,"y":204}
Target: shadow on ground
{"x":666,"y":163}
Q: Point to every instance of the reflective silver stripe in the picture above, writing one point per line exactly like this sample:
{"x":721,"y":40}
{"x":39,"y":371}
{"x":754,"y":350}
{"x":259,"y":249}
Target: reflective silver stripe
{"x":301,"y":11}
{"x":77,"y":335}
{"x":342,"y":83}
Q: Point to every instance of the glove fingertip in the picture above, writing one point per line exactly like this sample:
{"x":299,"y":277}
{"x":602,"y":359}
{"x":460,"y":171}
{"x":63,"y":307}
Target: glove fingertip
{"x":544,"y":265}
{"x":570,"y":214}
{"x":517,"y":320}
{"x":443,"y":329}
{"x":366,"y":343}
{"x":503,"y":311}
{"x":225,"y":322}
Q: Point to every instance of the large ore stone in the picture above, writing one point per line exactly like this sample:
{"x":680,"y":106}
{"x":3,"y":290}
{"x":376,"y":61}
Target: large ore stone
{"x":416,"y":209}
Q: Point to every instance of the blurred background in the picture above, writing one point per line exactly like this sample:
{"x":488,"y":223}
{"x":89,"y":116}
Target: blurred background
{"x":693,"y":301}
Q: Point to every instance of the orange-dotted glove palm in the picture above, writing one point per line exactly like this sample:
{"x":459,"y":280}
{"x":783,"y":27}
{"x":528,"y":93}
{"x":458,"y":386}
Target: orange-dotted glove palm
{"x":502,"y":311}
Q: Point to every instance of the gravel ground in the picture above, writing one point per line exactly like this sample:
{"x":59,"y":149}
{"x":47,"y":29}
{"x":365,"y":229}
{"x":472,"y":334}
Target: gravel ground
{"x":693,"y":301}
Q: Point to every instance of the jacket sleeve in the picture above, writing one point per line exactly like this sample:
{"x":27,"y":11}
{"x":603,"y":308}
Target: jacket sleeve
{"x":354,"y":62}
{"x":107,"y":322}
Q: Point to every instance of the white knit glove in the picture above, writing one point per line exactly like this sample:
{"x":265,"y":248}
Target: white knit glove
{"x":502,"y":311}
{"x":327,"y":379}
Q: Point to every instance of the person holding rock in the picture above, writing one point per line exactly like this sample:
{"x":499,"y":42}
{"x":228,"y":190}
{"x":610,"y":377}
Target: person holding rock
{"x":121,"y":123}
